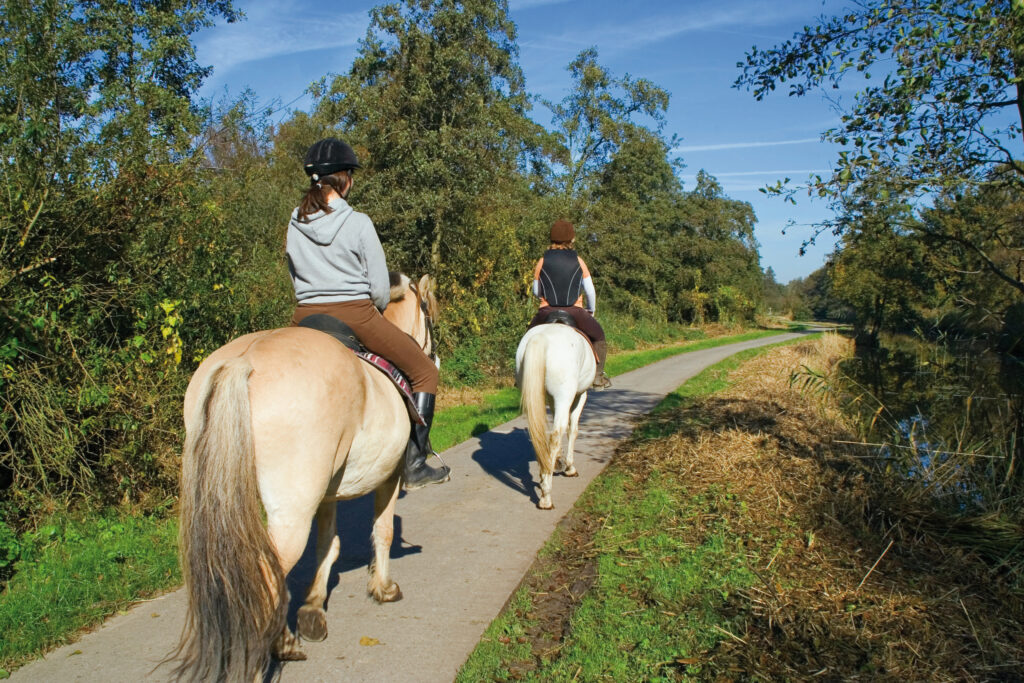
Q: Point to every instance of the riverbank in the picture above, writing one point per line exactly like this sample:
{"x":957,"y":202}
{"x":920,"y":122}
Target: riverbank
{"x":736,"y":536}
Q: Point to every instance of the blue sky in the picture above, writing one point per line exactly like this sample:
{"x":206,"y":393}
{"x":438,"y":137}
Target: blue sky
{"x":688,"y":47}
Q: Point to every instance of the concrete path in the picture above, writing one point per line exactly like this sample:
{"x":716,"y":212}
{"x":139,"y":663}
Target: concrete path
{"x":460,"y":551}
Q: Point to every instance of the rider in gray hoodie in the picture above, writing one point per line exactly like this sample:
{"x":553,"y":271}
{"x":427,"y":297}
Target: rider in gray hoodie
{"x":330,"y":264}
{"x":338,"y":269}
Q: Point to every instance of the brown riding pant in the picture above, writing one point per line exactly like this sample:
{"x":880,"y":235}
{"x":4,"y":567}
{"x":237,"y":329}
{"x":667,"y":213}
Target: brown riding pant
{"x":584,"y":320}
{"x":381,"y":337}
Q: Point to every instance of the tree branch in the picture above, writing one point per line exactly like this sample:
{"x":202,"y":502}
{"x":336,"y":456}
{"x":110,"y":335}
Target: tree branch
{"x":989,"y":263}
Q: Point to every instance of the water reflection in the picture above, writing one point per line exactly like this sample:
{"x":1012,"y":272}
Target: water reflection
{"x":949,"y":414}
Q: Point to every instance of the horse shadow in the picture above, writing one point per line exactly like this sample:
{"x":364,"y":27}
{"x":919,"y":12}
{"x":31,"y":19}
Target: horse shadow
{"x":355,"y":529}
{"x":507,"y":458}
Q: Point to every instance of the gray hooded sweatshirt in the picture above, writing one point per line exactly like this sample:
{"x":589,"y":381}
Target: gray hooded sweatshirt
{"x":337,"y":257}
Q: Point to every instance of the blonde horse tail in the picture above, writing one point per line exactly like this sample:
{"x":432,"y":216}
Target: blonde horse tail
{"x":237,"y":599}
{"x":533,"y":401}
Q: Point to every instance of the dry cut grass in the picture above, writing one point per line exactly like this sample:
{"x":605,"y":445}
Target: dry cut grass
{"x":852,"y":585}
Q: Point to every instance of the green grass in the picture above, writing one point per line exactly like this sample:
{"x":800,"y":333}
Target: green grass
{"x":656,"y":606}
{"x":458,"y":423}
{"x":625,"y":333}
{"x":73,"y":574}
{"x":624,"y":362}
{"x":657,"y":598}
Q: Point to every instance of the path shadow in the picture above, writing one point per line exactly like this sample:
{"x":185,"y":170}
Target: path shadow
{"x":507,"y":458}
{"x":355,"y":527}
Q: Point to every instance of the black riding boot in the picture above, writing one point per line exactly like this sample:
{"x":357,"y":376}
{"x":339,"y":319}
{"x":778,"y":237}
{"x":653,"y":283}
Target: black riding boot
{"x":417,"y":472}
{"x":601,"y":380}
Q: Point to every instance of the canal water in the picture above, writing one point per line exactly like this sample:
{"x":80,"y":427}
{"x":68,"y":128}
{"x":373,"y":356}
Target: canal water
{"x":949,"y":415}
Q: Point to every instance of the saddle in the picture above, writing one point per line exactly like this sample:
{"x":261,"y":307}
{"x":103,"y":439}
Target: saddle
{"x":560,"y":318}
{"x":343,"y":333}
{"x":565,"y":318}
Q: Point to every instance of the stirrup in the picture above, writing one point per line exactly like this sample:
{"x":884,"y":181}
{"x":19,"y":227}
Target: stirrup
{"x":601,"y":381}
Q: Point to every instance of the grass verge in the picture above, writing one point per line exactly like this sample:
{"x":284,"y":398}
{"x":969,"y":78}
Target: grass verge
{"x":735,"y":537}
{"x":650,"y":608}
{"x":74,"y":573}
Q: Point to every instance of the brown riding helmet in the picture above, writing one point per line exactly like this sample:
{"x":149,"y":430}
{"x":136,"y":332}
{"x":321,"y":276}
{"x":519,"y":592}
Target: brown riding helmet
{"x":562,"y":232}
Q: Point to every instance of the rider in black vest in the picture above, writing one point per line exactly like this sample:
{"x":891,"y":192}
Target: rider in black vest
{"x":561,"y":279}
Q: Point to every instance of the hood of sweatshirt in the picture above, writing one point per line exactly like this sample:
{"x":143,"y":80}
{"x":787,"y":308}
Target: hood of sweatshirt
{"x":322,"y":227}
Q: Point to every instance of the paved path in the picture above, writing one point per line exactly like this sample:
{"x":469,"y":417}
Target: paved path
{"x":460,"y":551}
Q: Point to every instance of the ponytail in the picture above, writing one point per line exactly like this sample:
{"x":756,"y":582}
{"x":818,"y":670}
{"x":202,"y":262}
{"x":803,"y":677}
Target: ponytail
{"x":314,"y":200}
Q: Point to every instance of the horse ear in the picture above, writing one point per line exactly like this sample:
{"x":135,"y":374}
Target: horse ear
{"x":426,"y":283}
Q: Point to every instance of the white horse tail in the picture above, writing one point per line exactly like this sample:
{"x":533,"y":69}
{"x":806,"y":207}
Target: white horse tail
{"x":533,"y":401}
{"x":237,"y":599}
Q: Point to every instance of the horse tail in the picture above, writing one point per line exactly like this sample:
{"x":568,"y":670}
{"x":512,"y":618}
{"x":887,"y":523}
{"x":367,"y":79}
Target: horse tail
{"x":533,"y":402}
{"x":237,"y":599}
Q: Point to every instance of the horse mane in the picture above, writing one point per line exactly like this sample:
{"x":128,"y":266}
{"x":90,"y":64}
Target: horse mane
{"x":428,"y":286}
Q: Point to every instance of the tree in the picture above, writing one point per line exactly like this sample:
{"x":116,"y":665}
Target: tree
{"x":774,"y":293}
{"x":635,"y":203}
{"x":598,"y":116}
{"x":97,"y":137}
{"x":974,"y":250}
{"x":879,"y":273}
{"x":953,"y":71}
{"x":436,"y":107}
{"x":947,"y":114}
{"x":719,"y":252}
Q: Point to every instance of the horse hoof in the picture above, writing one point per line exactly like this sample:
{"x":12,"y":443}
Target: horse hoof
{"x":292,"y":656}
{"x":287,"y":649}
{"x":390,"y":594}
{"x":571,"y":472}
{"x":546,"y":506}
{"x":312,"y":624}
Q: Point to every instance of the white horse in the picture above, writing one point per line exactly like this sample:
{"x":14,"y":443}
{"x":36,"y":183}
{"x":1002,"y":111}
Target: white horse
{"x":554,"y":364}
{"x":283,"y":423}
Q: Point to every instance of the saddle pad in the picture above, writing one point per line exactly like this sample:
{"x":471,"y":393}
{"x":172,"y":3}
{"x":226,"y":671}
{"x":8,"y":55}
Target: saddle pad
{"x":399,"y":380}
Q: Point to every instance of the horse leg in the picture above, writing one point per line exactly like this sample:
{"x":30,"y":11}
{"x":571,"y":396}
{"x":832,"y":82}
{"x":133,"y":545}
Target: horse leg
{"x":574,"y":429}
{"x":290,"y":541}
{"x":554,"y":439}
{"x":381,"y":587}
{"x":545,"y":490}
{"x":559,"y":422}
{"x":312,"y":619}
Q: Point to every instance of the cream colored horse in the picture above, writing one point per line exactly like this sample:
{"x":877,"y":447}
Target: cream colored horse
{"x":283,"y":423}
{"x":556,"y":365}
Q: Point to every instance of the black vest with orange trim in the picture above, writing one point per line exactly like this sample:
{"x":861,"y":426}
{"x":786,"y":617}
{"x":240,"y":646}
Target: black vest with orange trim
{"x":561,"y":277}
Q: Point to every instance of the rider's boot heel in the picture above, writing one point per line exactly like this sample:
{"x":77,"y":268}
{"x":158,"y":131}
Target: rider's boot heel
{"x":417,"y":472}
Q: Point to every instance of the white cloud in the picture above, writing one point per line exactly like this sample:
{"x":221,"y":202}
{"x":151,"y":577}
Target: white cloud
{"x":276,"y":29}
{"x":654,"y":29}
{"x":744,"y":145}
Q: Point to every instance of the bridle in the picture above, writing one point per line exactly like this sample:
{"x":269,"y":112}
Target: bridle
{"x":428,"y":346}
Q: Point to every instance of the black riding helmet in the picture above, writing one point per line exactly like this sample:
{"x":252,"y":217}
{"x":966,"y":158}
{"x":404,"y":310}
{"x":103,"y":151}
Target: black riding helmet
{"x":328,"y":156}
